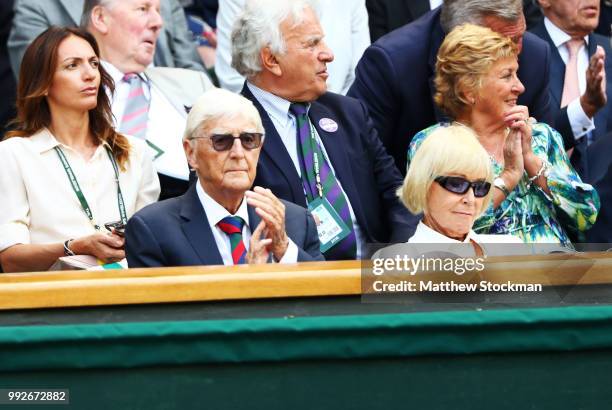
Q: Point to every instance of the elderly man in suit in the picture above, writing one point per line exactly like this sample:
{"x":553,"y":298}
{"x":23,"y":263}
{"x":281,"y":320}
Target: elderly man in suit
{"x":219,"y":220}
{"x":149,"y":102}
{"x":321,"y":150}
{"x":579,"y":87}
{"x":32,"y":17}
{"x":394,"y":78}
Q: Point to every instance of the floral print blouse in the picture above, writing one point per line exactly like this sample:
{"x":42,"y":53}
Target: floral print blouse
{"x":529,"y":212}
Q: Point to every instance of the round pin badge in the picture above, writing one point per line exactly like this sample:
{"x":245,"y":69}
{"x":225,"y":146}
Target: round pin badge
{"x":328,"y":124}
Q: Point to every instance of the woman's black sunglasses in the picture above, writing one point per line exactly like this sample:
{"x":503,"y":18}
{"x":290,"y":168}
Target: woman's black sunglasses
{"x":460,"y":185}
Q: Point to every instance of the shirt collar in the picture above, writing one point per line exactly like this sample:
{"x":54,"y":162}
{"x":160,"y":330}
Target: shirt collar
{"x":275,"y":106}
{"x":215,"y":212}
{"x":117,"y":75}
{"x":44,"y":141}
{"x":558,"y":36}
{"x":424,"y":231}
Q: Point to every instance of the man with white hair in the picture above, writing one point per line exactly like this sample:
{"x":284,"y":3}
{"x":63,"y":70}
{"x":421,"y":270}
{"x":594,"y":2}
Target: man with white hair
{"x":321,"y":150}
{"x":219,"y":220}
{"x":149,"y":102}
{"x":346,"y":27}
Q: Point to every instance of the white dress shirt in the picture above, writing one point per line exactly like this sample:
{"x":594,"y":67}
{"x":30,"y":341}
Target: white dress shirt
{"x":165,"y":126}
{"x":215,"y":213}
{"x":344,"y":23}
{"x":277,"y":109}
{"x":39,"y":205}
{"x":435,"y":3}
{"x":581,"y":124}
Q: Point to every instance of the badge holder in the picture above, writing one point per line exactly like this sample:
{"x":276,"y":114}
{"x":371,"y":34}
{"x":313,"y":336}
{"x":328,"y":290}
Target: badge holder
{"x":330,"y":226}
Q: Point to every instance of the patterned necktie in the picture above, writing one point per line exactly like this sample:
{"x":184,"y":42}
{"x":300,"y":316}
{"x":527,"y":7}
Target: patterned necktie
{"x":136,"y":113}
{"x":571,"y":90}
{"x":232,"y":226}
{"x":307,"y":148}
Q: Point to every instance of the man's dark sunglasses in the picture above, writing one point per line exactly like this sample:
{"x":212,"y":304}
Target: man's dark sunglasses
{"x":460,"y":185}
{"x":224,"y":142}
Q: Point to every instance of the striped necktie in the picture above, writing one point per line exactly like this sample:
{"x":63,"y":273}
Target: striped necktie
{"x":136,"y":113}
{"x":232,"y":226}
{"x":307,"y":148}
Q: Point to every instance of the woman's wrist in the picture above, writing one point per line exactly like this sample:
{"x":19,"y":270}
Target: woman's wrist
{"x":533,"y":164}
{"x":511,"y":179}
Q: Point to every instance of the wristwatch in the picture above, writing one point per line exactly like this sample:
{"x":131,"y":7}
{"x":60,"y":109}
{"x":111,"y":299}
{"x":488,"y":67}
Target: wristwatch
{"x":501,"y":185}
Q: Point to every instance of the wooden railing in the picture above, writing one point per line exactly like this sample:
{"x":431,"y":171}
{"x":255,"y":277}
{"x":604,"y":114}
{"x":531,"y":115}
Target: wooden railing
{"x":208,"y":283}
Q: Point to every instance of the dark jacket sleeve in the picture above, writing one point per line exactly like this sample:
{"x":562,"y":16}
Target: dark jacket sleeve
{"x":401,"y":222}
{"x":311,"y":249}
{"x":141,"y":247}
{"x":374,"y":85}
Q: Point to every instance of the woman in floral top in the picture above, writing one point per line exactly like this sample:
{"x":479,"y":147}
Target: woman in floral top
{"x":538,"y":196}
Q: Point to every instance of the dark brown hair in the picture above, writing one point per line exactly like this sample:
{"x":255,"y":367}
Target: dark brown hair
{"x":35,"y":77}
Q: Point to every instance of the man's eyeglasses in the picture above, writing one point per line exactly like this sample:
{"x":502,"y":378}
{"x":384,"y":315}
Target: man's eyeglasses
{"x":224,"y":142}
{"x":460,"y":185}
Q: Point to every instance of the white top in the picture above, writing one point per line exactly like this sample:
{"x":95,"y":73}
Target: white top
{"x":215,"y":213}
{"x":39,"y":205}
{"x":277,"y":109}
{"x":580,"y":123}
{"x":435,"y":3}
{"x":425,"y":235}
{"x":344,"y":23}
{"x":165,"y":126}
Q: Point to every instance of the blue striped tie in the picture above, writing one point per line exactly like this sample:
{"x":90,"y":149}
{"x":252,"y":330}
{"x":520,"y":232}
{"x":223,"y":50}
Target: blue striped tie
{"x":136,"y":112}
{"x":347,"y":247}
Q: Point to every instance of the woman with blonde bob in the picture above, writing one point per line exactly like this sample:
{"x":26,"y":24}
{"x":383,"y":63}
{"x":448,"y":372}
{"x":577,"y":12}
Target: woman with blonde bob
{"x":450,"y":181}
{"x":536,"y":194}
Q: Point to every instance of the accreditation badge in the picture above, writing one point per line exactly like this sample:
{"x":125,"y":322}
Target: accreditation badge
{"x":330,"y":226}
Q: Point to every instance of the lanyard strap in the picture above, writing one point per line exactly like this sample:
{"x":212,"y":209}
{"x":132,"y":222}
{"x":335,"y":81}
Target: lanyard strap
{"x":79,"y":192}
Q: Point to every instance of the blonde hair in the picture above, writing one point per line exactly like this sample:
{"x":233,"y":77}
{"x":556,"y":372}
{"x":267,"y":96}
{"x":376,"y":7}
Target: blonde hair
{"x":465,"y":57}
{"x":447,"y":150}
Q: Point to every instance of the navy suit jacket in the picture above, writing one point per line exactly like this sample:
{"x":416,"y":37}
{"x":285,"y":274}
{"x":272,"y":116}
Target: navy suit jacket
{"x":175,"y":232}
{"x":394,"y":79}
{"x":387,"y":15}
{"x":363,"y":167}
{"x":600,"y":160}
{"x":603,"y":118}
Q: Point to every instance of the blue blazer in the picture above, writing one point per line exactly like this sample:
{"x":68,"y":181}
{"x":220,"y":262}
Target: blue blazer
{"x":175,"y":232}
{"x":603,"y":118}
{"x":601,"y":161}
{"x":365,"y":170}
{"x":395,"y":80}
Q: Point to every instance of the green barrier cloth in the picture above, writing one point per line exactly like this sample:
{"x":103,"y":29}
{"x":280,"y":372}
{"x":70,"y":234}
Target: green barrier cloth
{"x":127,"y":345}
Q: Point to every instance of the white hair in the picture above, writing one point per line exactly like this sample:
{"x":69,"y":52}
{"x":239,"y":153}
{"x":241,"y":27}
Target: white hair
{"x":218,"y":103}
{"x":259,"y":26}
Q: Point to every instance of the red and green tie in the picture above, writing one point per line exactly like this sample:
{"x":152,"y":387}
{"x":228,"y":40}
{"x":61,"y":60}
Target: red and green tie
{"x":347,"y":247}
{"x":232,"y":226}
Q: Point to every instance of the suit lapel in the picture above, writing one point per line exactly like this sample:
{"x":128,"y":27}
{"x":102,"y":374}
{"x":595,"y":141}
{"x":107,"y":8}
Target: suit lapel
{"x":172,"y":90}
{"x":437,"y":36}
{"x":335,"y":145}
{"x":197,"y":230}
{"x":74,"y":8}
{"x":557,"y":66}
{"x":275,"y":150}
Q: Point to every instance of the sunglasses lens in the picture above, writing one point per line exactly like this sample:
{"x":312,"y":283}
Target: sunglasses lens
{"x":250,"y":140}
{"x":481,"y":188}
{"x":457,"y":185}
{"x":222,"y":142}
